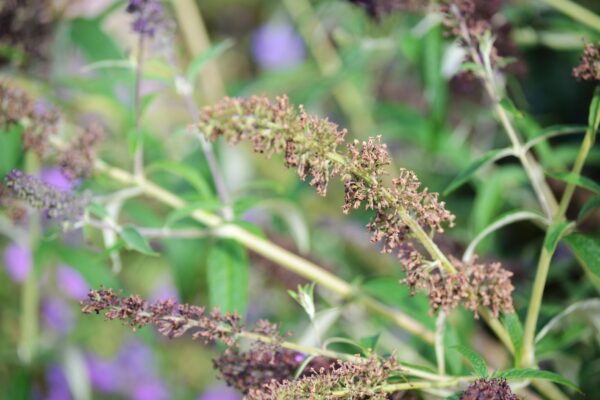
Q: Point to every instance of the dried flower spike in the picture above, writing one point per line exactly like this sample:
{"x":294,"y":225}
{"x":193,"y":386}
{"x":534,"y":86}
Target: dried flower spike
{"x":489,"y":389}
{"x":589,"y":66}
{"x":349,"y":380}
{"x":469,"y":20}
{"x":39,"y":122}
{"x":38,"y":194}
{"x":77,"y":160}
{"x":404,"y":212}
{"x":380,"y":8}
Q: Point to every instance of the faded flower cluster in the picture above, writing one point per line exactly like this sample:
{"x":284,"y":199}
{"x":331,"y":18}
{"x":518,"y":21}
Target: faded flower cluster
{"x":38,"y":121}
{"x":57,"y":204}
{"x":380,"y":8}
{"x":170,"y":318}
{"x":469,"y":20}
{"x":77,"y":160}
{"x":489,"y":389}
{"x":310,"y":145}
{"x":589,"y":66}
{"x":341,"y":380}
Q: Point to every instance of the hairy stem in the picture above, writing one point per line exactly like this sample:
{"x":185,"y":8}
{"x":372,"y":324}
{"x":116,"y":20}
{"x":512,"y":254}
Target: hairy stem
{"x":272,"y":252}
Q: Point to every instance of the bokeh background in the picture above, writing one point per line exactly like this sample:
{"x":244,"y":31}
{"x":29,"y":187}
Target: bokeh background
{"x":392,"y":75}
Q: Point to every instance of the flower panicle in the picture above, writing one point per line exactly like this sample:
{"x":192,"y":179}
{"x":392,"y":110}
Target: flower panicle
{"x":38,"y":194}
{"x":39,"y":121}
{"x":148,"y":16}
{"x":173,"y":319}
{"x":314,"y":147}
{"x":589,"y":65}
{"x":490,"y":389}
{"x":352,"y":380}
{"x":77,"y":160}
{"x":377,"y":9}
{"x":473,"y":285}
{"x":472,"y":20}
{"x":251,"y":370}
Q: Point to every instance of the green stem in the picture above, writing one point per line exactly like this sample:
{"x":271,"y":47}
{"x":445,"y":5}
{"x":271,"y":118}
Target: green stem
{"x":576,"y":12}
{"x":535,"y":303}
{"x":29,"y":315}
{"x":528,"y":355}
{"x":138,"y":162}
{"x":396,"y":387}
{"x":272,"y":252}
{"x":30,"y":298}
{"x":440,"y":330}
{"x":352,"y":102}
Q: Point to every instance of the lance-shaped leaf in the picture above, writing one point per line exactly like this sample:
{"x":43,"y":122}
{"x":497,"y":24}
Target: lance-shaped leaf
{"x":228,"y":276}
{"x":465,"y":175}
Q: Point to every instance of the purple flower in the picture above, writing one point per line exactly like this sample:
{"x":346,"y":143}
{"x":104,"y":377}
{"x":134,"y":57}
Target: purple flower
{"x":17,"y":261}
{"x":54,"y":176}
{"x":150,"y":390}
{"x":148,"y":16}
{"x":70,"y":282}
{"x":58,"y":386}
{"x":276,"y":46}
{"x":220,"y":392}
{"x":58,"y":314}
{"x":164,"y":291}
{"x":104,"y":375}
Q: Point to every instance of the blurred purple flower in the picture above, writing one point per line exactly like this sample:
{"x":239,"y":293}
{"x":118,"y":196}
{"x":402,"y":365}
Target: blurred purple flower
{"x":277,"y":46}
{"x":164,"y":290}
{"x":104,"y":375}
{"x":70,"y":282}
{"x":135,"y":359}
{"x":58,"y":314}
{"x":17,"y":261}
{"x":54,"y":176}
{"x":150,"y":390}
{"x":148,"y":16}
{"x":220,"y":392}
{"x":58,"y":386}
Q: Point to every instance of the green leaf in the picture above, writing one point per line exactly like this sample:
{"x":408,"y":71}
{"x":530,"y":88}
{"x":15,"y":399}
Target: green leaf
{"x":578,"y":180}
{"x":589,"y":205}
{"x":199,"y":62}
{"x":228,"y":276}
{"x":585,"y":311}
{"x":509,"y":106}
{"x":504,"y":220}
{"x":528,"y":373}
{"x":90,"y":265}
{"x":10,"y":149}
{"x":555,"y":234}
{"x":370,"y":342}
{"x":187,"y":173}
{"x":594,"y":115}
{"x":515,"y":331}
{"x":465,"y":175}
{"x":98,"y":210}
{"x":587,"y":250}
{"x":135,"y":241}
{"x":305,"y":297}
{"x":479,"y":366}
